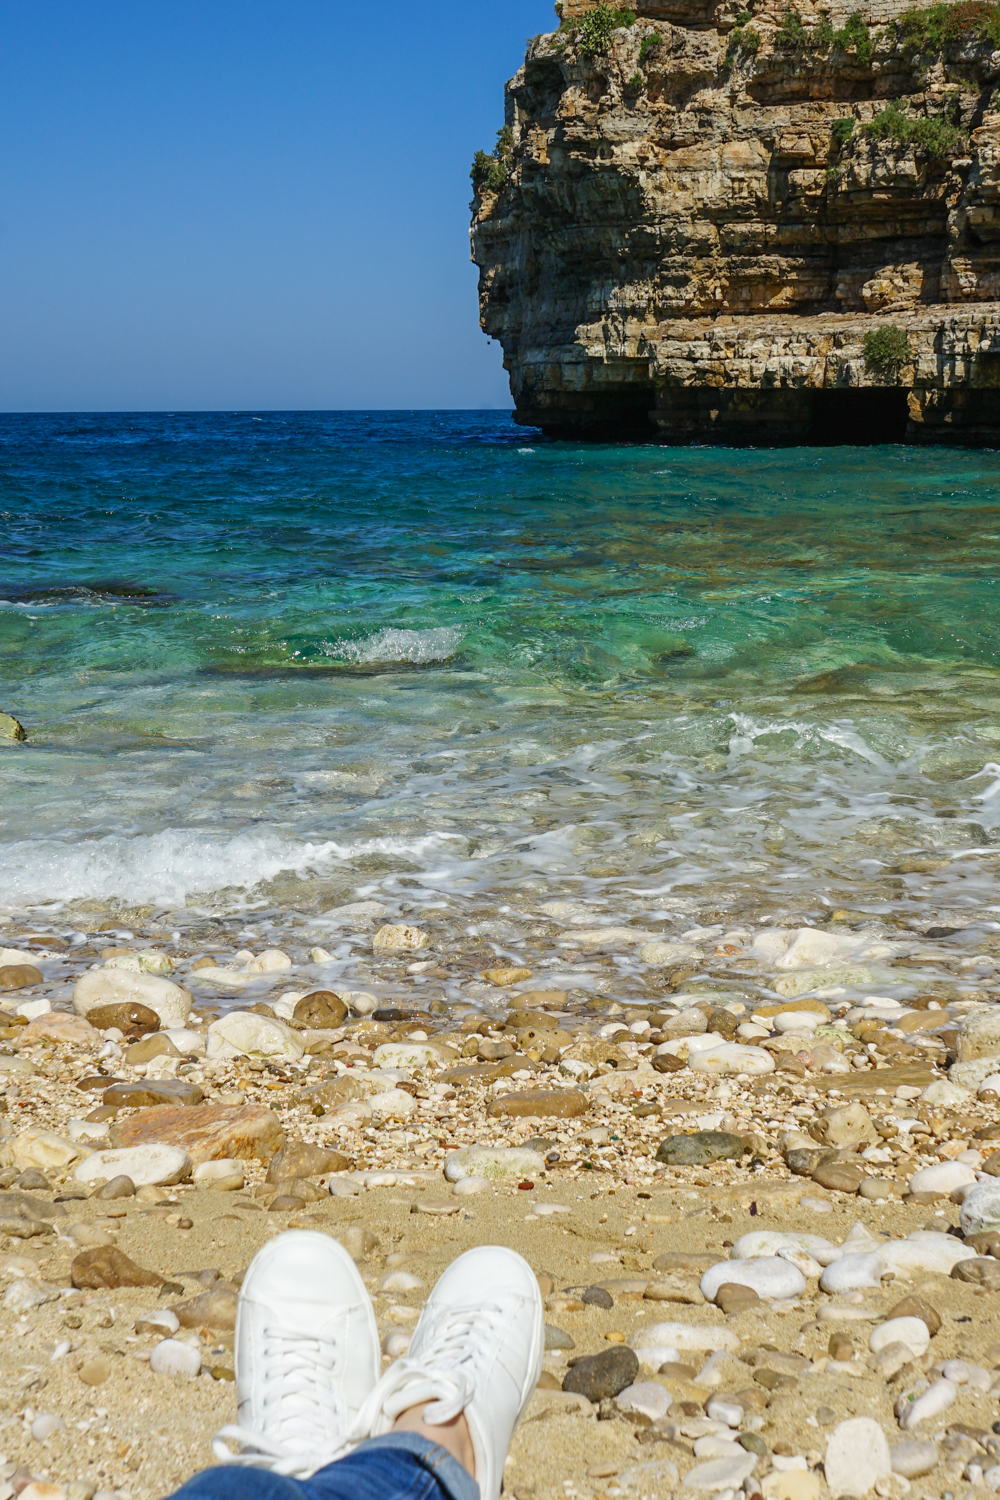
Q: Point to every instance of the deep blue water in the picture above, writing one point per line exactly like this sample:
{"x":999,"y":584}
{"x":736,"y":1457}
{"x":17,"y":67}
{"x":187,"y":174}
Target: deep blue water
{"x":289,"y":657}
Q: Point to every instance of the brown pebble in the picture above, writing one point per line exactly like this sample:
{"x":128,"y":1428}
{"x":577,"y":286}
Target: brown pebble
{"x":215,"y":1308}
{"x":732,"y":1298}
{"x":840,"y":1347}
{"x":545,"y":1283}
{"x":673,"y":1370}
{"x":18,"y":976}
{"x":916,"y":1307}
{"x":300,"y":1159}
{"x":107,"y":1266}
{"x":146,"y":1094}
{"x":154,"y":1045}
{"x":284,"y":1203}
{"x":838,"y":1177}
{"x":128,"y":1016}
{"x":117,"y":1187}
{"x":321,"y":1010}
{"x":95,"y":1371}
{"x":560,"y":1104}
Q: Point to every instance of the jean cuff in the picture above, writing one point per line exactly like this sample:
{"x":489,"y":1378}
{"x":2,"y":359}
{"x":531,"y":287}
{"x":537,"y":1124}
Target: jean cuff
{"x":446,"y":1469}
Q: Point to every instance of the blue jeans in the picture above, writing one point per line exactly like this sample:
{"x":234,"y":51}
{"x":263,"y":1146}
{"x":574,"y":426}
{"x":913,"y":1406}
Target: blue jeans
{"x":398,"y":1466}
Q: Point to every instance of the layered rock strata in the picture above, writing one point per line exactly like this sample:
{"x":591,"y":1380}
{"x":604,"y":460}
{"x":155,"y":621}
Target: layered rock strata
{"x":694,"y":222}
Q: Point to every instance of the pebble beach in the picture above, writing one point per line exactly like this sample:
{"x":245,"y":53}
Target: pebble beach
{"x":765,"y":1227}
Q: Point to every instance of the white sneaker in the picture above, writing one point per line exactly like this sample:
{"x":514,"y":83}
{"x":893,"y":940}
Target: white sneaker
{"x":307,"y":1355}
{"x":477,"y":1349}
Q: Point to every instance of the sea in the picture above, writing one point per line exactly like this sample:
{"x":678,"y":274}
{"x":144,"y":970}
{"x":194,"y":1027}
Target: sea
{"x":275,"y":664}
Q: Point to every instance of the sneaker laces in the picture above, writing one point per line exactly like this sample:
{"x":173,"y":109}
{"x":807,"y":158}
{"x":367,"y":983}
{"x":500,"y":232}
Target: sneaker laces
{"x":444,"y":1374}
{"x":300,"y":1410}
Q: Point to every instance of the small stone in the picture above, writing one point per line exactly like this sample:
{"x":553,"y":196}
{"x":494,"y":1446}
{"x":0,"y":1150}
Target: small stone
{"x":320,"y":1010}
{"x":157,"y":1166}
{"x":597,"y":1296}
{"x":558,"y":1338}
{"x":215,"y":1308}
{"x":916,"y":1307}
{"x":848,"y":1127}
{"x":720,"y":1475}
{"x":157,"y":1044}
{"x":913,"y":1456}
{"x":943,"y":1177}
{"x":734,"y":1299}
{"x":838,"y":1177}
{"x":981,"y":1271}
{"x":771,"y":1277}
{"x":399,"y":937}
{"x":96,"y":1371}
{"x":101,"y":987}
{"x":979,"y":1036}
{"x":11,"y":729}
{"x":877,"y":1189}
{"x":469,"y":1186}
{"x":498,"y":1163}
{"x":224,"y":1176}
{"x":32,"y":1180}
{"x":560,"y":1104}
{"x":506,"y":977}
{"x":207,"y":1132}
{"x":107,"y":1266}
{"x":39,"y":1148}
{"x":936,"y":1399}
{"x":241,"y":1033}
{"x":701,"y":1147}
{"x":26,"y":1294}
{"x":437,"y":1206}
{"x":285,"y":1203}
{"x":732,"y":1057}
{"x":173,"y":1357}
{"x":18,"y":976}
{"x":301,"y":1159}
{"x":144,"y":1095}
{"x":646,"y":1397}
{"x":857,"y":1457}
{"x":980,"y":1212}
{"x":598,"y":1376}
{"x":129,"y":1017}
{"x":913,"y":1332}
{"x":45,"y":1425}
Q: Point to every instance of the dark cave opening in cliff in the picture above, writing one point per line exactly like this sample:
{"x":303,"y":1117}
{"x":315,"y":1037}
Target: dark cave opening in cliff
{"x":859,"y":417}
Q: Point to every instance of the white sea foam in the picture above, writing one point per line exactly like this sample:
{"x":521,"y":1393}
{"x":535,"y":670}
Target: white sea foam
{"x":390,"y":644}
{"x":171,"y":866}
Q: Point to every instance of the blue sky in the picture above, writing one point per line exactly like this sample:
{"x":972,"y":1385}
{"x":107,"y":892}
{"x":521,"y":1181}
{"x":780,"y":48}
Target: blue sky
{"x":221,"y":204}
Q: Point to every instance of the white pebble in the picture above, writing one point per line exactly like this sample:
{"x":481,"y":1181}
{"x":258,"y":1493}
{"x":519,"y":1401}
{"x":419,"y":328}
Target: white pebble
{"x":853,"y":1271}
{"x":647,"y":1397}
{"x":470,"y":1185}
{"x":913,"y":1332}
{"x":770,"y":1277}
{"x":400,"y":1281}
{"x":936,"y":1399}
{"x":45,"y":1425}
{"x":724,"y":1411}
{"x":172,"y":1357}
{"x":857,"y":1457}
{"x":942,"y":1177}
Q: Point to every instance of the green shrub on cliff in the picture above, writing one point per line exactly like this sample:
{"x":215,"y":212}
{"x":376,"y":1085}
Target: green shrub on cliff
{"x":594,"y":32}
{"x":932,"y":29}
{"x":489,"y":170}
{"x":886,"y":349}
{"x":841,"y":132}
{"x":930,"y":133}
{"x":856,"y":34}
{"x":650,"y":44}
{"x":743,"y":43}
{"x":791,"y":34}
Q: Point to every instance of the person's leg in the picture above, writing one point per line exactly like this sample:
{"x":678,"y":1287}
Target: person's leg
{"x":307,"y":1357}
{"x":472,"y":1365}
{"x":403,"y":1467}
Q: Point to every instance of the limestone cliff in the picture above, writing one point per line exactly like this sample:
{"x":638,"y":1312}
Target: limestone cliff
{"x":697,"y":217}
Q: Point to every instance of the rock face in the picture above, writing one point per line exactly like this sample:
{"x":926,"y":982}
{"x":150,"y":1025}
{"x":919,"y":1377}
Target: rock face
{"x":692,"y":225}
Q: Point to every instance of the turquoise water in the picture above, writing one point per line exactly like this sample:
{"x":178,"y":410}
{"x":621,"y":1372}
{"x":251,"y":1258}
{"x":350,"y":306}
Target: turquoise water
{"x":276,"y":663}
